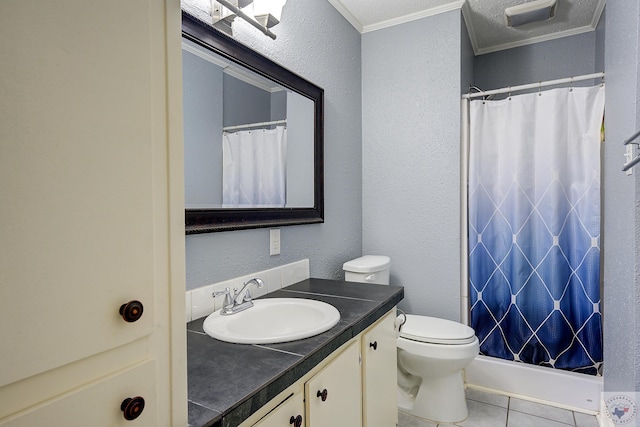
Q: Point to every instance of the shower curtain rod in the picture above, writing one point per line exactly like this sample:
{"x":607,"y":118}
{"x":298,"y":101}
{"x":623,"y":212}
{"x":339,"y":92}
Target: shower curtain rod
{"x":255,"y":125}
{"x":538,"y":85}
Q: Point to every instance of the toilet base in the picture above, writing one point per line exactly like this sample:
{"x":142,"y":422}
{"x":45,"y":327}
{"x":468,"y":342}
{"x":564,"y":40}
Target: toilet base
{"x":441,"y":399}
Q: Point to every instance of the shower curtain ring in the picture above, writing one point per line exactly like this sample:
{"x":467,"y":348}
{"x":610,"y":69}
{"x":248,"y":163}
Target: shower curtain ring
{"x":539,"y":88}
{"x":571,"y":89}
{"x":509,"y":93}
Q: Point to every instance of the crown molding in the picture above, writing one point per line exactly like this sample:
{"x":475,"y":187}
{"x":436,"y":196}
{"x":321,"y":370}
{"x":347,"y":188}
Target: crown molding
{"x":455,"y":5}
{"x":337,"y":4}
{"x":466,"y":14}
{"x":533,"y":40}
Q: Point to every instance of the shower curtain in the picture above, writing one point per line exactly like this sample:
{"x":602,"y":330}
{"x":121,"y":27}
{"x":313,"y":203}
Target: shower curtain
{"x":254,"y":168}
{"x":534,"y":227}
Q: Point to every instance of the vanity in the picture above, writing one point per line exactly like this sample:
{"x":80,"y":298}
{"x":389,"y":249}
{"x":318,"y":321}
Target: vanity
{"x":348,"y":372}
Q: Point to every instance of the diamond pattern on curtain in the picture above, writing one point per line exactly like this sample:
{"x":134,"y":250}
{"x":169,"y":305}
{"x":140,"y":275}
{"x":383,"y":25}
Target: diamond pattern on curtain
{"x":534,"y":228}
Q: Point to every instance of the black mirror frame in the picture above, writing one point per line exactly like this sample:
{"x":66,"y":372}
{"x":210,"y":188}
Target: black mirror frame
{"x":215,"y":220}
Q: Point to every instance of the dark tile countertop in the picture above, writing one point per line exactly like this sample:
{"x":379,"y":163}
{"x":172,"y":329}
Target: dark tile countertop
{"x":229,"y":382}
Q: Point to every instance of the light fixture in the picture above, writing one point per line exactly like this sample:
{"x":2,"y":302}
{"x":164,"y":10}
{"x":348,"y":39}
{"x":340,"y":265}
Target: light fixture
{"x":262,"y":14}
{"x":268,"y":12}
{"x":538,"y":10}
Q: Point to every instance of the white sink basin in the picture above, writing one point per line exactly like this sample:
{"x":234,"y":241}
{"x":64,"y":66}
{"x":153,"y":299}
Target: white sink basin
{"x":273,"y":320}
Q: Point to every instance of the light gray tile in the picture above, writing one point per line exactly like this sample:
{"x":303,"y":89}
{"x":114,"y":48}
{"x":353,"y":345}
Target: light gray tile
{"x":585,"y":420}
{"x":484,"y":415}
{"x":406,"y":420}
{"x":520,"y":419}
{"x":540,"y":410}
{"x":484,"y":397}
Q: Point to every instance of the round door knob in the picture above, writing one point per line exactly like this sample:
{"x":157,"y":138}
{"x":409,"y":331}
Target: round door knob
{"x":132,"y":407}
{"x":374,"y":345}
{"x":322,"y":394}
{"x":296,"y":421}
{"x":131,"y":311}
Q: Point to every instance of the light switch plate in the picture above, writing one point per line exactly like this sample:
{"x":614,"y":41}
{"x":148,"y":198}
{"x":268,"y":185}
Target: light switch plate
{"x":274,"y":241}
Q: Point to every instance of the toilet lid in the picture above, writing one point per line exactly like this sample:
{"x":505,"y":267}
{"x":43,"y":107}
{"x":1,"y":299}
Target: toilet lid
{"x":436,"y":331}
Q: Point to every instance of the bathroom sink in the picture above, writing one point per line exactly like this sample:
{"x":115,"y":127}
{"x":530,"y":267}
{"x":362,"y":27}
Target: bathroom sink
{"x":273,"y":320}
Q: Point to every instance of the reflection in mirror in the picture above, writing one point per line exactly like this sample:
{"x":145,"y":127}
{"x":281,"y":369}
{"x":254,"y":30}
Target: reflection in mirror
{"x":253,"y":137}
{"x":248,"y":140}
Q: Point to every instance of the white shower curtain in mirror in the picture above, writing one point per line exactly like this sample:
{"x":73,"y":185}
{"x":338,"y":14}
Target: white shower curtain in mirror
{"x":534,"y":227}
{"x":254,"y":168}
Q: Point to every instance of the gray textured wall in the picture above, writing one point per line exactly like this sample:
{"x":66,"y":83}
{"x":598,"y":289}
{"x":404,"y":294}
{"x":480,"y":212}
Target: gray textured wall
{"x":467,"y":57}
{"x":202,"y":101}
{"x":620,"y":242}
{"x":550,"y":60}
{"x":245,"y":103}
{"x":410,"y":157}
{"x":316,"y":42}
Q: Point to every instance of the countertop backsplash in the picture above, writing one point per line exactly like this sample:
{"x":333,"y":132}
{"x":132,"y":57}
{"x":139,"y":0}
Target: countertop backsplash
{"x":200,"y":303}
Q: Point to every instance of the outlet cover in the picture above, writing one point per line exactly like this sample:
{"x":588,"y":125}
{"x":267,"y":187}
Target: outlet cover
{"x":274,"y":241}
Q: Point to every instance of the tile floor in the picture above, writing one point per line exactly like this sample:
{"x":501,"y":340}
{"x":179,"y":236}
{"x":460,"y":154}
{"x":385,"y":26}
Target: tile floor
{"x":492,"y":410}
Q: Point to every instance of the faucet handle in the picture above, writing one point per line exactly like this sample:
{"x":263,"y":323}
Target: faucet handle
{"x":228,"y":302}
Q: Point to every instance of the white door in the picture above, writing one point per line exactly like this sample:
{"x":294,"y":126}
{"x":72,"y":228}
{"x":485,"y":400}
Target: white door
{"x":90,"y":213}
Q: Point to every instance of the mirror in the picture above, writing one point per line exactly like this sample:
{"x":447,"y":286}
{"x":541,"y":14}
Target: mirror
{"x":253,"y":137}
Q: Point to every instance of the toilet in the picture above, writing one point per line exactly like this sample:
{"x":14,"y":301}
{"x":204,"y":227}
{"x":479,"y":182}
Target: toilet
{"x":432,"y":353}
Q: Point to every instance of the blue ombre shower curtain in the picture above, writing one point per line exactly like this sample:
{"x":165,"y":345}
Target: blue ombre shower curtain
{"x":534,"y":227}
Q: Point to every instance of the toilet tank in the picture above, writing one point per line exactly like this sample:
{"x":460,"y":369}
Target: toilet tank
{"x":368,"y":269}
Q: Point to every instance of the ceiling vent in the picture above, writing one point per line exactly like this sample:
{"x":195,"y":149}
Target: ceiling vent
{"x":535,"y":11}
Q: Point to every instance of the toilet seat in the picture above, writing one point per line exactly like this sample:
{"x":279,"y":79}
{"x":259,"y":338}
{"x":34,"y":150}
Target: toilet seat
{"x":436,"y":331}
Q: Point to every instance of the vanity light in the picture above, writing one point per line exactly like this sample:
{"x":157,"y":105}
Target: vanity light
{"x":538,"y":10}
{"x":268,"y":12}
{"x":221,"y":13}
{"x":262,"y":14}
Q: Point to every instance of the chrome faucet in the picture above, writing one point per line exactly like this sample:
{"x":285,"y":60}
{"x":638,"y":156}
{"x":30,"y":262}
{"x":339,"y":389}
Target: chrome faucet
{"x":239,"y":301}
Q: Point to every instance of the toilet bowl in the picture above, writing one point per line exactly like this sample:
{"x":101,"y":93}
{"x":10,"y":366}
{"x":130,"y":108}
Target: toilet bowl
{"x":432,"y":353}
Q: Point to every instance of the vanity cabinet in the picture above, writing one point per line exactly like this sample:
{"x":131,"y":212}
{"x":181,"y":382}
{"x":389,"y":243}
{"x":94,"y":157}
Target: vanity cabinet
{"x":355,"y":386}
{"x":92,"y":213}
{"x":379,"y":379}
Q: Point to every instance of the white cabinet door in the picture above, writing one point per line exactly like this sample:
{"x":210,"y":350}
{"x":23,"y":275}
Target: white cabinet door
{"x":334,"y":395}
{"x":289,"y":413}
{"x":98,"y":404}
{"x":379,"y":374}
{"x":90,"y":211}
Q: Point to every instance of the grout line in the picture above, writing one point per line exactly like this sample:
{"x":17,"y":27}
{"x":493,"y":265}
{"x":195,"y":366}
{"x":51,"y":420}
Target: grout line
{"x":327,"y":295}
{"x":487,"y":403}
{"x":204,"y":406}
{"x":541,"y":417}
{"x":277,"y":349}
{"x":506,"y":424}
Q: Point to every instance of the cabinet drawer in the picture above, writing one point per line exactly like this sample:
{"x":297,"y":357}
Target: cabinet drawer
{"x":97,"y":404}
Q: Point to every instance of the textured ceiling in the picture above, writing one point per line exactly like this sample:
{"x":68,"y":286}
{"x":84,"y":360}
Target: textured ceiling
{"x":484,"y":18}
